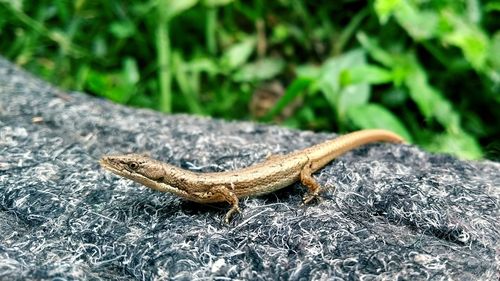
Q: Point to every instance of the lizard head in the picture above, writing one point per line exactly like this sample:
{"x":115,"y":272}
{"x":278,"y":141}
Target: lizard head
{"x":149,"y":172}
{"x":134,"y":167}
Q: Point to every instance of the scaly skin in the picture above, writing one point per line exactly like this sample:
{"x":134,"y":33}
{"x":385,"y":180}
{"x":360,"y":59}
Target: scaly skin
{"x":277,"y":172}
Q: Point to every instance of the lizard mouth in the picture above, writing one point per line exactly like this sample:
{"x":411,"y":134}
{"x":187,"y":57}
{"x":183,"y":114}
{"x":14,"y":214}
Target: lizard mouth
{"x":110,"y":164}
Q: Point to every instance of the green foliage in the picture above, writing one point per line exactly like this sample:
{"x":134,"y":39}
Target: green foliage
{"x":428,"y":70}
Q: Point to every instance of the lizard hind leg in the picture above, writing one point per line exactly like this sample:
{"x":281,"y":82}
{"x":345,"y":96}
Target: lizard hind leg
{"x":230,"y":197}
{"x":307,"y":180}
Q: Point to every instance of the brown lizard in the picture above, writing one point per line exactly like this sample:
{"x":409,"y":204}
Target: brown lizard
{"x":274,"y":173}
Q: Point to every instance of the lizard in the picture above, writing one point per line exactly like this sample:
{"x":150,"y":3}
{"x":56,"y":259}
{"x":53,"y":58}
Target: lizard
{"x":274,"y":173}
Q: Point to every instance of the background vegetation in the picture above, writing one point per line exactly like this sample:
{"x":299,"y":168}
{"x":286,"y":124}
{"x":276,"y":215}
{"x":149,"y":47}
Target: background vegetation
{"x":426,"y":69}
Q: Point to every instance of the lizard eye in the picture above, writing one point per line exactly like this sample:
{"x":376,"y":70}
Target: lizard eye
{"x":133,"y":165}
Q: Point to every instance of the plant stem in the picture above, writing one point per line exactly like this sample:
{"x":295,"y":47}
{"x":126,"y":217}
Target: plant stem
{"x":163,"y":54}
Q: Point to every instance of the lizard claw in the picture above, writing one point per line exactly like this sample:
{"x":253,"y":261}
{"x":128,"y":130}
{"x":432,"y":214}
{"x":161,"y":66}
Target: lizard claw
{"x":230,"y":213}
{"x":310,"y":197}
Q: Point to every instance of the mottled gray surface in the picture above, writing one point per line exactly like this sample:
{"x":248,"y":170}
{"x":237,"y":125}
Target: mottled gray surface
{"x":398,"y":212}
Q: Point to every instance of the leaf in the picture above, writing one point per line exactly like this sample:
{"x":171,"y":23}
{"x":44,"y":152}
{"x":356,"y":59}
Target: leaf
{"x":492,"y":6}
{"x":329,"y":80}
{"x":215,"y":3}
{"x":443,"y":23}
{"x":203,"y":64}
{"x":460,"y":143}
{"x":375,"y":51}
{"x":429,"y":100}
{"x":308,"y":71}
{"x":186,"y":83}
{"x":295,"y":89}
{"x":385,"y":8}
{"x":420,"y":25}
{"x":369,"y":74}
{"x":122,"y":29}
{"x":407,"y":69}
{"x":352,"y":96}
{"x":495,"y":50}
{"x":110,"y":85}
{"x":172,"y":8}
{"x":15,"y":4}
{"x":238,"y":54}
{"x":99,"y":47}
{"x":470,"y":39}
{"x":336,"y":85}
{"x":372,"y":116}
{"x":131,"y":71}
{"x":261,"y":70}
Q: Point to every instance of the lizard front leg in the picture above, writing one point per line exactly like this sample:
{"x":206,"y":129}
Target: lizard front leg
{"x":219,"y":193}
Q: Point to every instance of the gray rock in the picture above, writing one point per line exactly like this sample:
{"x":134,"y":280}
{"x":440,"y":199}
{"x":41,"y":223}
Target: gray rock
{"x":397,"y":212}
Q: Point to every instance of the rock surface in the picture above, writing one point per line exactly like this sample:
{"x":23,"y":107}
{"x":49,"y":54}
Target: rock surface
{"x":397,"y":211}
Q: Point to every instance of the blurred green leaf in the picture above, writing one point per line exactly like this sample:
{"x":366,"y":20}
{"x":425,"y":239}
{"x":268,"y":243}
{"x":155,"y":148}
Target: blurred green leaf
{"x":372,"y":116}
{"x":368,"y":74}
{"x":459,"y":143}
{"x":429,"y":100}
{"x":473,"y":11}
{"x":470,"y":39}
{"x":260,"y":70}
{"x":238,"y":54}
{"x":495,"y":51}
{"x":419,"y":24}
{"x":99,"y":47}
{"x":280,"y":33}
{"x":172,"y":8}
{"x":385,"y":9}
{"x":113,"y":86}
{"x":329,"y":79}
{"x":16,"y":4}
{"x":451,"y":28}
{"x":185,"y":78}
{"x":122,"y":29}
{"x":131,"y":71}
{"x":352,"y":96}
{"x":215,"y":3}
{"x":377,"y":53}
{"x":492,"y":6}
{"x":308,"y":71}
{"x":296,"y":89}
{"x":342,"y":95}
{"x":203,"y":65}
